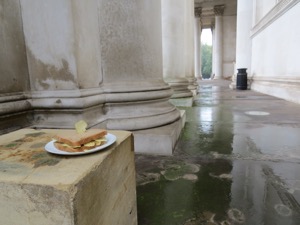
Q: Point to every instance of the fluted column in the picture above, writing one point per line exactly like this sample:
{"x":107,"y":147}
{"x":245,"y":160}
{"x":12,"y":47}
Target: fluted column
{"x":131,"y":47}
{"x":173,"y":41}
{"x":189,"y":44}
{"x":197,"y":36}
{"x":103,"y":65}
{"x":218,"y":10}
{"x":15,"y":110}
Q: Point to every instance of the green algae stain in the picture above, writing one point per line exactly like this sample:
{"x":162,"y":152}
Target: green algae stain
{"x":157,"y":207}
{"x":205,"y":137}
{"x":39,"y":155}
{"x":44,"y":159}
{"x":34,"y":134}
{"x":176,"y":171}
{"x":38,"y":145}
{"x":11,"y":145}
{"x":45,"y":162}
{"x":145,"y":178}
{"x":30,"y":149}
{"x":181,"y":201}
{"x":27,"y":138}
{"x":171,"y":175}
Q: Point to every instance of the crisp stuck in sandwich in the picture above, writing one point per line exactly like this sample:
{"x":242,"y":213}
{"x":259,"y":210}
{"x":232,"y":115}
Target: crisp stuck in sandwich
{"x":80,"y":140}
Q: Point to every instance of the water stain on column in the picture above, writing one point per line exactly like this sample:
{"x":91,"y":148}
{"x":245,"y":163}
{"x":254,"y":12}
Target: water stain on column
{"x":48,"y":77}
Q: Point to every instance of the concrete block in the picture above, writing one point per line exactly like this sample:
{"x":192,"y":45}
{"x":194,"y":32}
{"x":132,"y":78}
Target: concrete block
{"x":160,"y":140}
{"x":37,"y":187}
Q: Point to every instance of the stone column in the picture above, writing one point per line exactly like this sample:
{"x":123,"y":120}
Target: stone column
{"x":213,"y":66}
{"x":15,"y":109}
{"x":243,"y":39}
{"x":64,"y":62}
{"x":100,"y":61}
{"x":197,"y":37}
{"x":189,"y":45}
{"x":131,"y":53}
{"x":218,"y":10}
{"x":173,"y":40}
{"x":84,"y":65}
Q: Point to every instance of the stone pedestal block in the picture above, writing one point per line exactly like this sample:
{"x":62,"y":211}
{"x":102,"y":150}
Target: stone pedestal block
{"x":160,"y":140}
{"x":37,"y":187}
{"x":183,"y":102}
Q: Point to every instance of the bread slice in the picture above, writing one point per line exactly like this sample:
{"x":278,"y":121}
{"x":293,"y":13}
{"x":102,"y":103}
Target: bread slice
{"x":72,"y":138}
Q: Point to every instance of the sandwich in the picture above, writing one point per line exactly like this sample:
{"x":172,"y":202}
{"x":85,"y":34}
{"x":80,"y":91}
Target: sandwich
{"x":72,"y":141}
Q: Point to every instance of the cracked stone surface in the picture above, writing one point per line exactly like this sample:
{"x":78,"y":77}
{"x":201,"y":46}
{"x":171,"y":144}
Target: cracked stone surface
{"x":237,"y":162}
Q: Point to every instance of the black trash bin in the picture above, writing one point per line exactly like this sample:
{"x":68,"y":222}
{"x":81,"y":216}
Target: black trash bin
{"x":241,"y":79}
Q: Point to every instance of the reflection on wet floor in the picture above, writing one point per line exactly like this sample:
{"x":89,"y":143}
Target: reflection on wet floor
{"x":229,"y":166}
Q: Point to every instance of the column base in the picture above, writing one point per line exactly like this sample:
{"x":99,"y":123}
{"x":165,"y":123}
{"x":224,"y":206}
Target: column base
{"x":180,"y":87}
{"x":15,"y":112}
{"x":217,"y":78}
{"x":183,"y":102}
{"x":232,"y":85}
{"x":160,"y":140}
{"x":192,"y":83}
{"x":184,"y":94}
{"x":15,"y":121}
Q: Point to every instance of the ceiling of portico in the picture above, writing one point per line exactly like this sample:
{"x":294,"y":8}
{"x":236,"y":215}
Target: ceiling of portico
{"x":208,"y":15}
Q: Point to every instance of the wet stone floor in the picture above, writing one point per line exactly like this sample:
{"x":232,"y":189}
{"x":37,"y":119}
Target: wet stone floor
{"x":237,"y":161}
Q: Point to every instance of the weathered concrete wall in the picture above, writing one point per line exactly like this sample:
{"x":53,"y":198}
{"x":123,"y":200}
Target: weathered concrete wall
{"x":229,"y":45}
{"x":275,"y":54}
{"x":62,"y":43}
{"x":63,"y":51}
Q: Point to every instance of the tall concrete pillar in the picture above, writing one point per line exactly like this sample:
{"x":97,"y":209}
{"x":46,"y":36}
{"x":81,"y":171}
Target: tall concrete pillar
{"x":131,"y":61}
{"x":64,"y":62}
{"x":15,"y":109}
{"x":218,"y":10}
{"x":243,"y":39}
{"x":173,"y":40}
{"x":197,"y":37}
{"x":189,"y":44}
{"x":213,"y":66}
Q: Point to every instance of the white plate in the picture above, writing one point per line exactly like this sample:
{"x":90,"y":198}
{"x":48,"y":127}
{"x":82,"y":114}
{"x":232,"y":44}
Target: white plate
{"x":49,"y":147}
